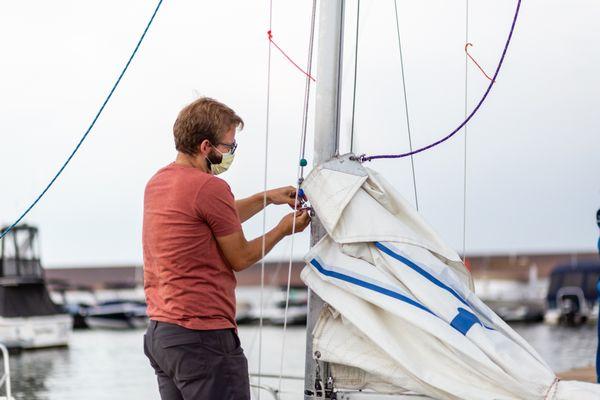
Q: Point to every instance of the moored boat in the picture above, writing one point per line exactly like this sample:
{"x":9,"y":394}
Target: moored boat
{"x":572,"y":297}
{"x":117,"y":314}
{"x":28,"y":316}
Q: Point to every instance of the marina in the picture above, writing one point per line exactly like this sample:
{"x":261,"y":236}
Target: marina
{"x":97,"y":360}
{"x":113,"y":316}
{"x":441,"y":262}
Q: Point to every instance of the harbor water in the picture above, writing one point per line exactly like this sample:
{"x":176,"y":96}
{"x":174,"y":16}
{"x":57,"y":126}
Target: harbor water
{"x":102,"y":364}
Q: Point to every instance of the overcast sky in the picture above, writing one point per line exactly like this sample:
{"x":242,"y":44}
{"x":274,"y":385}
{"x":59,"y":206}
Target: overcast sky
{"x":533,"y":176}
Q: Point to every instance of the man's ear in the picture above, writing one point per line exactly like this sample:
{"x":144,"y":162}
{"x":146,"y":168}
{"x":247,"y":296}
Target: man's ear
{"x":204,"y":147}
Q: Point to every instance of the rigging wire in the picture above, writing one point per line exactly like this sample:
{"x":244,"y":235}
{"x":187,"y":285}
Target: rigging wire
{"x":340,"y":68}
{"x":300,"y":178}
{"x":264,"y":213}
{"x":307,"y":92}
{"x":412,"y":160}
{"x":272,"y":280}
{"x":364,"y":158}
{"x":92,"y":124}
{"x":464,"y":230}
{"x":355,"y":76}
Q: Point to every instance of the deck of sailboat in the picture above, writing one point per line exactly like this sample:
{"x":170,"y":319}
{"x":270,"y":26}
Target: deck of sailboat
{"x":585,"y":374}
{"x":379,"y":396}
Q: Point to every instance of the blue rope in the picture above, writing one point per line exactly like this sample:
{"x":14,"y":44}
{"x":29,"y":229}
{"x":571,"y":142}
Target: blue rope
{"x":89,"y":129}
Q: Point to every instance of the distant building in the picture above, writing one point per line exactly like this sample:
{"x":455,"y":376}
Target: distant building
{"x":513,"y":267}
{"x":516,"y":267}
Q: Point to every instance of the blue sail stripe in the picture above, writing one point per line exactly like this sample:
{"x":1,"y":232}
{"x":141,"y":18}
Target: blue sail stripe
{"x":425,"y":274}
{"x":462,"y":322}
{"x":421,"y":271}
{"x":367,"y":285}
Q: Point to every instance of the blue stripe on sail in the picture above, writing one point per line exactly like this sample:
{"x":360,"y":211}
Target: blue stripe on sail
{"x":428,"y":276}
{"x":464,"y":320}
{"x":368,"y":285}
{"x":421,"y":271}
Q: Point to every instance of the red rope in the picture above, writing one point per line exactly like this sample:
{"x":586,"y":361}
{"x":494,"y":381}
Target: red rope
{"x":270,"y":34}
{"x":476,"y":63}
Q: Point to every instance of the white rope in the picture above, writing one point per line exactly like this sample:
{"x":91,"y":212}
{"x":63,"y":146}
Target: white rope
{"x":299,"y":181}
{"x":464,"y":231}
{"x":267,"y":300}
{"x":264,"y":227}
{"x":412,"y":160}
{"x":551,"y":393}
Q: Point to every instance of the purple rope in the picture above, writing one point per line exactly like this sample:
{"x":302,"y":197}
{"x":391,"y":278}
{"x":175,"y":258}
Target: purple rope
{"x":512,"y":28}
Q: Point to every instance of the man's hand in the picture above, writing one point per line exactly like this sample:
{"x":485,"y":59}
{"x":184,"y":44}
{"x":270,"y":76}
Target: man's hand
{"x":287,"y":223}
{"x":282,"y":195}
{"x":248,"y":207}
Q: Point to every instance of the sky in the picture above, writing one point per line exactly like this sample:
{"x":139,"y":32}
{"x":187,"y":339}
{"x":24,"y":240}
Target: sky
{"x":532,"y":177}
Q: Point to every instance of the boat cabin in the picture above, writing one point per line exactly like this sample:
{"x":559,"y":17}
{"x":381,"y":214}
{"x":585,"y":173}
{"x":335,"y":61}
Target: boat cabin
{"x":20,"y":256}
{"x":23,"y":291}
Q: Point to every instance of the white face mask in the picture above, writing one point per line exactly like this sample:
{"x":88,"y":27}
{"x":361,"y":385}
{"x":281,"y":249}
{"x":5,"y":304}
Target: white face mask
{"x":226,"y":161}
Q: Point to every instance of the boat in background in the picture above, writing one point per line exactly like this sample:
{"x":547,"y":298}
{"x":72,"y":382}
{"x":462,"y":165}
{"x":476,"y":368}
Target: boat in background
{"x":514,"y":300}
{"x":572,"y":297}
{"x":78,"y":312}
{"x":273,"y":311}
{"x":297,"y":307}
{"x":117,"y":314}
{"x":243,"y":312}
{"x":28,"y":317}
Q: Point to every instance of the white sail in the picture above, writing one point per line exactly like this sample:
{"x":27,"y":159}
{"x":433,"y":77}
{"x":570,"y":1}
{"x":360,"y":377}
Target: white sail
{"x":402,"y":314}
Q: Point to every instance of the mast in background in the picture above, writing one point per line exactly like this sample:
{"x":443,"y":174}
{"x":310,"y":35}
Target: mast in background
{"x":329,"y":70}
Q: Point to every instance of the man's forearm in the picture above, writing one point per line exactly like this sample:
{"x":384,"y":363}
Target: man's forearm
{"x":250,"y":206}
{"x":255,"y":246}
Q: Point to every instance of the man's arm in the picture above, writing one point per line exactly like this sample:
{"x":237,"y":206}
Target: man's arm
{"x":250,"y":206}
{"x":241,"y":253}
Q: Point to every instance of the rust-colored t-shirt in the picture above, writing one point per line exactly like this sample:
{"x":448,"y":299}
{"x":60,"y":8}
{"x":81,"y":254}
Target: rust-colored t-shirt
{"x":187,"y":279}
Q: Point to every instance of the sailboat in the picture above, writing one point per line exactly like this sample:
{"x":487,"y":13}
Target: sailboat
{"x":392,"y":309}
{"x":394,"y":273}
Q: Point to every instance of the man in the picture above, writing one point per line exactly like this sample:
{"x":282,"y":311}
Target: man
{"x":193,"y":242}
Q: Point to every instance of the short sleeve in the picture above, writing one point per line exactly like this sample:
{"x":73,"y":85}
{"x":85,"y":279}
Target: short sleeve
{"x":216,"y":205}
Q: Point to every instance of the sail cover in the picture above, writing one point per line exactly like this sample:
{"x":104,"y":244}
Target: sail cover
{"x":401,"y":312}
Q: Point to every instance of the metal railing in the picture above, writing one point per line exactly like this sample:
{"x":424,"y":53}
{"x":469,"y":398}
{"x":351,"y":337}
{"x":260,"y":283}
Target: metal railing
{"x":274,"y":393}
{"x":5,"y":378}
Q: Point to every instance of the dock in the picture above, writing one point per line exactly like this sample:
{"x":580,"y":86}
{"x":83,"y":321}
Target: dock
{"x":586,"y":374}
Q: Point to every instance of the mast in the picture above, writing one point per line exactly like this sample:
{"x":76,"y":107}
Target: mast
{"x":327,"y":124}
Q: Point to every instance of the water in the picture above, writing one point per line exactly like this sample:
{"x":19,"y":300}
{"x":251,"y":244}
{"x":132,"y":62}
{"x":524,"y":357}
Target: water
{"x":111,"y":365}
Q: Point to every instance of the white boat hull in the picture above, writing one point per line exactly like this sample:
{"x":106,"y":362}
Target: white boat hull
{"x":36,"y":332}
{"x":553,"y":316}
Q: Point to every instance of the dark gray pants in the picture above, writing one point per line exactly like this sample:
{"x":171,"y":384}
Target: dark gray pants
{"x":197,"y":365}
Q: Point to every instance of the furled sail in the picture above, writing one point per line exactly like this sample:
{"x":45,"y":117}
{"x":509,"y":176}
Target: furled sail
{"x":402,"y":315}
